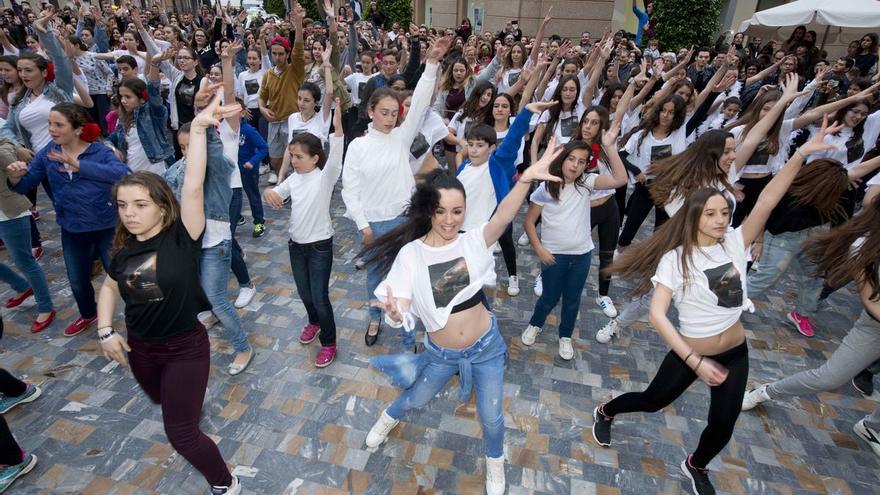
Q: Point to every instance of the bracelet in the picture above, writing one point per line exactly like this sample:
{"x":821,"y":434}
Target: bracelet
{"x":698,"y":363}
{"x":108,"y":327}
{"x":108,"y":336}
{"x":688,"y":356}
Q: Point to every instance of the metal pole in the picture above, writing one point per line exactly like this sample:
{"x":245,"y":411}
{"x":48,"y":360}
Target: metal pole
{"x":825,"y":37}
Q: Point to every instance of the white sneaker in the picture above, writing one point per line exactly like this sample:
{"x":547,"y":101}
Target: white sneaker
{"x":529,"y":334}
{"x":264,"y":169}
{"x":273,"y":178}
{"x":245,"y":296}
{"x":207,"y":319}
{"x":539,"y":286}
{"x":379,"y":432}
{"x":611,"y":329}
{"x":513,"y":285}
{"x":496,"y":248}
{"x":566,"y":351}
{"x":233,"y":489}
{"x":607,"y":306}
{"x":523,"y":240}
{"x":754,"y":397}
{"x":495,"y":481}
{"x":869,"y":435}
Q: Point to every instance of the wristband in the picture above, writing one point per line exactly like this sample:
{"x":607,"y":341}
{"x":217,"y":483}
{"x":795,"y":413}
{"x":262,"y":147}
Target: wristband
{"x":688,"y":356}
{"x":108,"y":328}
{"x":698,"y":363}
{"x":106,"y":337}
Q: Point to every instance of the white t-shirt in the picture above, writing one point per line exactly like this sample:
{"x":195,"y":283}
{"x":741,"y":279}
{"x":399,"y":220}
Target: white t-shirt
{"x":852,"y":154}
{"x":248,"y":87}
{"x":310,"y":196}
{"x":653,"y":149}
{"x":566,"y":126}
{"x":480,"y":194}
{"x":436,"y":279}
{"x":432,"y":131}
{"x":761,"y":162}
{"x":565,"y":224}
{"x":356,"y":83}
{"x":141,"y":61}
{"x":135,"y":155}
{"x":508,"y":78}
{"x":35,"y":118}
{"x":460,"y":125}
{"x":602,"y":168}
{"x":230,"y":150}
{"x":316,"y":126}
{"x":677,"y":201}
{"x":716,"y":291}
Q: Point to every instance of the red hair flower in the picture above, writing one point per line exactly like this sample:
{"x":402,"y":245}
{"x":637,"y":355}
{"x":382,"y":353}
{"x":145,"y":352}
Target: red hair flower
{"x":594,"y":159}
{"x":50,"y":72}
{"x":144,"y":94}
{"x":90,"y":132}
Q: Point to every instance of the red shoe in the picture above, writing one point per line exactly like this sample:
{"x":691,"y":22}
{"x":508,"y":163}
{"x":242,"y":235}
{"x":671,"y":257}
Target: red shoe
{"x":325,"y":356}
{"x":309,"y":333}
{"x":78,"y":326}
{"x":39,"y":326}
{"x":17,"y":300}
{"x":37,"y":252}
{"x":803,"y":324}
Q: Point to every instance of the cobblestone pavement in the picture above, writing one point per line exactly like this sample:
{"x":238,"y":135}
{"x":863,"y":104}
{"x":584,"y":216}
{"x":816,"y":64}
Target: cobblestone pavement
{"x":288,"y":427}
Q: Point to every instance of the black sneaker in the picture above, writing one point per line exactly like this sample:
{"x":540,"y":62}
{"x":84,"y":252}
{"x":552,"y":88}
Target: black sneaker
{"x":241,"y":220}
{"x":699,"y":478}
{"x":601,"y":427}
{"x":864,"y":382}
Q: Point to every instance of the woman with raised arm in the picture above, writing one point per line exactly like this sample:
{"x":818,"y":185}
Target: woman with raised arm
{"x":156,"y":245}
{"x":697,"y":262}
{"x":434,"y":273}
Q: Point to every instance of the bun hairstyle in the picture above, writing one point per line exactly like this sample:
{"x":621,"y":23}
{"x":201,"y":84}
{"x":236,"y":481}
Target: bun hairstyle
{"x":419,"y":215}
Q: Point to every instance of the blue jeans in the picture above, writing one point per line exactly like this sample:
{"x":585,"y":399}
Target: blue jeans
{"x":16,"y":235}
{"x":239,"y":268}
{"x":481,"y":368}
{"x":782,"y":252}
{"x":79,"y":249}
{"x":250,"y":182}
{"x":214,"y":270}
{"x":311,"y":264}
{"x":374,"y":277}
{"x":566,"y":279}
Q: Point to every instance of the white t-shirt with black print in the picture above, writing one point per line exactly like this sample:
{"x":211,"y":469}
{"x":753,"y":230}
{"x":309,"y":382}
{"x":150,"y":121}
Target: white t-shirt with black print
{"x":316,"y":126}
{"x":436,"y":279}
{"x":248,"y":87}
{"x":652,"y":149}
{"x":356,"y":83}
{"x":715,"y":293}
{"x":847,"y":150}
{"x":566,"y":127}
{"x":565,"y":223}
{"x":762,"y":162}
{"x":431,"y":132}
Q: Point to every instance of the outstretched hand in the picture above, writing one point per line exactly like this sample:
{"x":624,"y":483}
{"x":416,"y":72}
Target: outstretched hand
{"x":817,"y":144}
{"x":212,"y":114}
{"x":540,"y":170}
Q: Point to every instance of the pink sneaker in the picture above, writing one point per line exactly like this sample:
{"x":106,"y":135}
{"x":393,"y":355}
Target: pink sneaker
{"x":325,"y":356}
{"x":802,"y":323}
{"x":309,"y":333}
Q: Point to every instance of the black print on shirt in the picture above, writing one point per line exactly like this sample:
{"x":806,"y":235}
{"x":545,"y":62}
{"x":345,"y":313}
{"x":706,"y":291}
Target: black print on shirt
{"x":186,"y":94}
{"x":419,"y":146}
{"x":725,"y":282}
{"x":251,"y":87}
{"x":567,"y":126}
{"x":760,"y":156}
{"x":361,"y":87}
{"x":512,"y":78}
{"x":139,"y":277}
{"x":855,"y":150}
{"x":660,"y":152}
{"x":448,"y":279}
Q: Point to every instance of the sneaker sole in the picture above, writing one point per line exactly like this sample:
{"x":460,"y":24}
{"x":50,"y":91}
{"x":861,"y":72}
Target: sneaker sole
{"x":301,"y":341}
{"x":593,"y":429}
{"x":25,"y":470}
{"x":31,"y":398}
{"x":796,"y":326}
{"x":863,"y":433}
{"x":81,"y":330}
{"x":687,"y":473}
{"x":863,"y":392}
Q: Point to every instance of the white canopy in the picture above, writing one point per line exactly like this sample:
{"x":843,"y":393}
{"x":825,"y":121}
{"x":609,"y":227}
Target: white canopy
{"x":840,"y":21}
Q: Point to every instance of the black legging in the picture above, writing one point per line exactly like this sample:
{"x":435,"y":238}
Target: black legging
{"x":10,"y":386}
{"x":607,"y":218}
{"x":751,"y":190}
{"x":508,"y":250}
{"x":637,"y":210}
{"x":674,"y":377}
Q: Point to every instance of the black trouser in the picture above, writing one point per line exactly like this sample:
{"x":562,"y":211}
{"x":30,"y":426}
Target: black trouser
{"x":751,"y":190}
{"x":640,"y":204}
{"x":607,"y":219}
{"x":99,"y":111}
{"x":10,"y":451}
{"x":620,"y":198}
{"x":508,"y":250}
{"x":674,"y":377}
{"x":311,"y":264}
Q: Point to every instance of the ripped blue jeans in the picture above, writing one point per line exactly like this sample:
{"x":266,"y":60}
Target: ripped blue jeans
{"x":481,"y":369}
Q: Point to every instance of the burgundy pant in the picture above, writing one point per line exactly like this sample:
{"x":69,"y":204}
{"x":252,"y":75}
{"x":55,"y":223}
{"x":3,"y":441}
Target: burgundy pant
{"x":174,"y":374}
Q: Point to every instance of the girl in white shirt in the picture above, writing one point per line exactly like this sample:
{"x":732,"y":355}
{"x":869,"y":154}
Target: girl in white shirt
{"x":310,"y":189}
{"x":248,"y":87}
{"x":696,"y":262}
{"x":566,"y":243}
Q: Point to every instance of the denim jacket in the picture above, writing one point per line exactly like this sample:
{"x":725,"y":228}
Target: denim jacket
{"x":150,"y":120}
{"x":218,"y":193}
{"x":58,"y":91}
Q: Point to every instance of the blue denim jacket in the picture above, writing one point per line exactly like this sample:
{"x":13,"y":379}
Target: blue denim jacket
{"x":218,"y":193}
{"x":58,"y":91}
{"x":150,"y":120}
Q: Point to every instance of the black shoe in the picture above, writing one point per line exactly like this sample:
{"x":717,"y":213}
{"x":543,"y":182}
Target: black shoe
{"x":864,"y":382}
{"x":241,"y":220}
{"x":699,"y":478}
{"x":601,"y":427}
{"x":372,"y":339}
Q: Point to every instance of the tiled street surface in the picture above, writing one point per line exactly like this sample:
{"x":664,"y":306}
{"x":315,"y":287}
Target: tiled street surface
{"x":287,"y":427}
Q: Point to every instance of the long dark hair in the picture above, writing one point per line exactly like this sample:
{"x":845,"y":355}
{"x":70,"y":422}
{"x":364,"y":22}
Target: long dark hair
{"x":159,"y":192}
{"x":834,"y":259}
{"x":695,"y":168}
{"x":139,"y":88}
{"x":555,"y":188}
{"x":604,"y":125}
{"x":472,"y":108}
{"x":858,"y":131}
{"x":819,"y":184}
{"x":41,"y":63}
{"x":752,"y":116}
{"x":556,"y":110}
{"x":424,"y":202}
{"x":652,"y":120}
{"x":640,"y":261}
{"x":4,"y":89}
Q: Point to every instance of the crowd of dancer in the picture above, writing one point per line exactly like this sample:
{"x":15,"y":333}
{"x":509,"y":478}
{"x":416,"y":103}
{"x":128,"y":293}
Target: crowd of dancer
{"x":147,"y":129}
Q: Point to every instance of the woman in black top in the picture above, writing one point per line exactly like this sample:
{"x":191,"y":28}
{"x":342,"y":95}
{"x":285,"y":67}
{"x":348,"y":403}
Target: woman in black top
{"x":155,"y":255}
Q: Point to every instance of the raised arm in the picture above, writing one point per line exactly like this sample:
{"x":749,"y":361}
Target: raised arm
{"x":226,"y":58}
{"x":758,"y":133}
{"x":593,"y":81}
{"x":533,"y":55}
{"x":817,"y":113}
{"x":328,"y":83}
{"x":63,"y":70}
{"x":618,"y":171}
{"x":760,"y":76}
{"x":421,"y":98}
{"x":533,"y":79}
